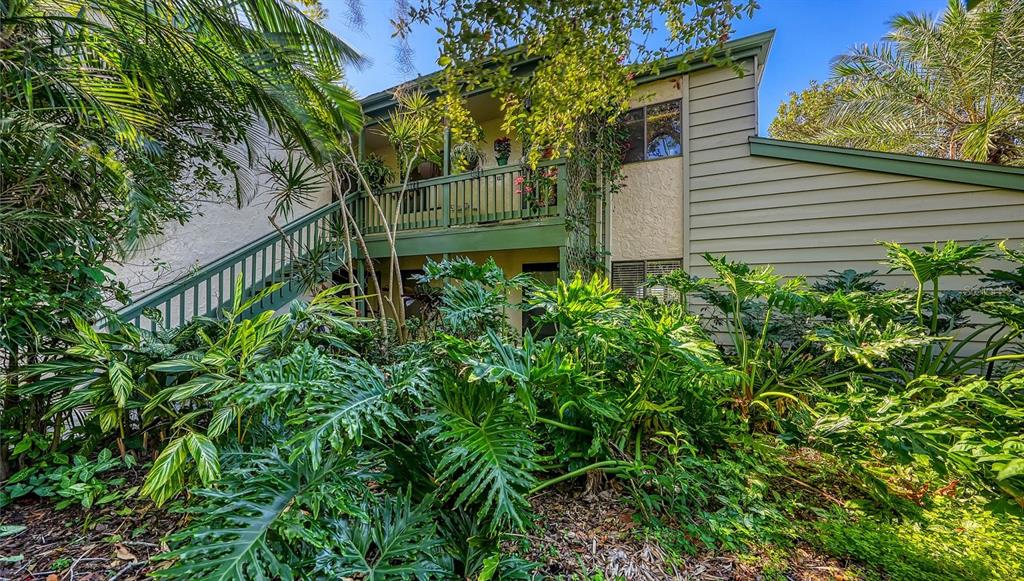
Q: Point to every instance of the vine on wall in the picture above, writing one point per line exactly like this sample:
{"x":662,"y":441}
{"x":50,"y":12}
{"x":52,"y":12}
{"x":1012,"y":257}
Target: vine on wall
{"x":594,"y":176}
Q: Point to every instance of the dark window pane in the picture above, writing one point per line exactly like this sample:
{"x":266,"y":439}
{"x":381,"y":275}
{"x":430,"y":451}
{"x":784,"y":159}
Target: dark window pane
{"x":664,"y":130}
{"x":633,"y":136}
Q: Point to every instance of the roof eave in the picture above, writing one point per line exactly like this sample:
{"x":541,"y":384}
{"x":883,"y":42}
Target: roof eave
{"x":758,"y":45}
{"x":755,"y":45}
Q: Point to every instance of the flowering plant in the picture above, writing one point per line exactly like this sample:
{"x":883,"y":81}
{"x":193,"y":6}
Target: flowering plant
{"x":539,"y":190}
{"x":502,"y":147}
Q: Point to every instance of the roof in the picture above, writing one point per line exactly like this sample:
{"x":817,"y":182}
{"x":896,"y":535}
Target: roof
{"x":967,"y":172}
{"x":754,"y":45}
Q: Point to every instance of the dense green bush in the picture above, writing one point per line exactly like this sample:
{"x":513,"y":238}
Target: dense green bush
{"x":312,"y":445}
{"x":952,"y":540}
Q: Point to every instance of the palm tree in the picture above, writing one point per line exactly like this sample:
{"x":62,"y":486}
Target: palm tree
{"x":117,"y":115}
{"x":947,"y":86}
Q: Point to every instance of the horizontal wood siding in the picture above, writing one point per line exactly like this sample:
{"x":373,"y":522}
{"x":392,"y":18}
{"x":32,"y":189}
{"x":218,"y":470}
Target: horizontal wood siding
{"x":807,"y":219}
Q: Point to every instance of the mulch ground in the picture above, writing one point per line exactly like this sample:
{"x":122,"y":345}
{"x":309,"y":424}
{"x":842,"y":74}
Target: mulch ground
{"x":580,"y":533}
{"x":577,"y":533}
{"x":74,"y":544}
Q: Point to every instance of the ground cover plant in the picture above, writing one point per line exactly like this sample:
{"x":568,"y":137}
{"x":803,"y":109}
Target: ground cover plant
{"x":867,"y":429}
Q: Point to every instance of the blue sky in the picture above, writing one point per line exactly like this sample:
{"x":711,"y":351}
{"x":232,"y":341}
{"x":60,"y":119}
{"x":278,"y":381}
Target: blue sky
{"x":808,"y":33}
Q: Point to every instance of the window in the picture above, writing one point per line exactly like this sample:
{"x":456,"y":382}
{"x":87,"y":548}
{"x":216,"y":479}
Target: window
{"x":652,"y":132}
{"x":633,"y":140}
{"x":631,"y":277}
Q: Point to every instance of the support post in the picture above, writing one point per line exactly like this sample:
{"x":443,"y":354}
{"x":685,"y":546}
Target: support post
{"x":446,"y":206}
{"x":562,"y":188}
{"x":447,"y":160}
{"x":563,"y":263}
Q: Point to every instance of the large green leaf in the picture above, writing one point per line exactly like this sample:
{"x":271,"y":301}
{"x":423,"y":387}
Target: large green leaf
{"x":229,"y":539}
{"x":487,"y":455}
{"x":397,"y":540}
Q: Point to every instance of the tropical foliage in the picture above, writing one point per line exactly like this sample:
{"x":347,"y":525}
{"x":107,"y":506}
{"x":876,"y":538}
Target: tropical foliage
{"x":944,"y":86}
{"x":119,"y":116}
{"x":576,"y":49}
{"x":309,"y":445}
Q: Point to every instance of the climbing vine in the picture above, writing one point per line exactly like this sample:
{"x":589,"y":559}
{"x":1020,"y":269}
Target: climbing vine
{"x":594,"y":177}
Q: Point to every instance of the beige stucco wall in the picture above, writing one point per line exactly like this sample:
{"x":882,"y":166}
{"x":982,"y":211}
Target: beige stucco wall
{"x":219,"y":228}
{"x":647,"y":214}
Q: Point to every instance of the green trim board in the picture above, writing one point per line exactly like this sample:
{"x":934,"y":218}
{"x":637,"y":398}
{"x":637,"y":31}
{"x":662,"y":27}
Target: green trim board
{"x":981,"y":174}
{"x":522,"y":235}
{"x":756,"y":45}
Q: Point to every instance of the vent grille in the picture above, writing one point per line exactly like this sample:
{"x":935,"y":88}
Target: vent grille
{"x":631,"y":278}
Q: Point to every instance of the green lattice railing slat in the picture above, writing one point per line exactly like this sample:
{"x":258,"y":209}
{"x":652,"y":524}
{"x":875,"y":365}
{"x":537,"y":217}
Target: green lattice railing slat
{"x":472,"y":198}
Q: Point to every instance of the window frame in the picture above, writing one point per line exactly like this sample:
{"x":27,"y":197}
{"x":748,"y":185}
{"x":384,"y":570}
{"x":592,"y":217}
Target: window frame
{"x":646,"y":142}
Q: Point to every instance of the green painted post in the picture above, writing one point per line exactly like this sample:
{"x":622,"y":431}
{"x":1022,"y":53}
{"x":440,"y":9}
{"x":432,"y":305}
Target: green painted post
{"x":446,"y":206}
{"x":561,"y":189}
{"x":563,"y":263}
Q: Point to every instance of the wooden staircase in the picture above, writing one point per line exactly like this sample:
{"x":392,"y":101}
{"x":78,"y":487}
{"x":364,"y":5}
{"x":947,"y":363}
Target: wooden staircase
{"x":268,"y":260}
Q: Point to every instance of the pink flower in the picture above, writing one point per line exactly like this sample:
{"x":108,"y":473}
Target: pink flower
{"x":519,"y":180}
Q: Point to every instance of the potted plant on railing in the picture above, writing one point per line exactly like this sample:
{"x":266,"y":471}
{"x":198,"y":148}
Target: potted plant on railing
{"x":502,"y":150}
{"x":465,"y":157}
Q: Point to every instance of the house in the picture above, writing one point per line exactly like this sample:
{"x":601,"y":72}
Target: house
{"x":698,"y":179}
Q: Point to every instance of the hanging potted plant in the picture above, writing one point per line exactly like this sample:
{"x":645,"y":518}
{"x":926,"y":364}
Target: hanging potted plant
{"x":465,"y":157}
{"x":502,"y":150}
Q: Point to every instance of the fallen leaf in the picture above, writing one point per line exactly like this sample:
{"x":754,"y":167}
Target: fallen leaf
{"x":122,"y":552}
{"x":52,"y":577}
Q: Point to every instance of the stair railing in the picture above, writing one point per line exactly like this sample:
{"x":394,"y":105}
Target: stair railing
{"x":261,"y":263}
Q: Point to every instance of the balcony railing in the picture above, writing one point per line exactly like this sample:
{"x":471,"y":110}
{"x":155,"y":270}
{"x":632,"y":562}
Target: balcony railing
{"x":477,"y":197}
{"x":210,"y":289}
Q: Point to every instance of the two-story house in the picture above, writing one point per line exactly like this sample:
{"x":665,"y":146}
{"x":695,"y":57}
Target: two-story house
{"x":697,"y":178}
